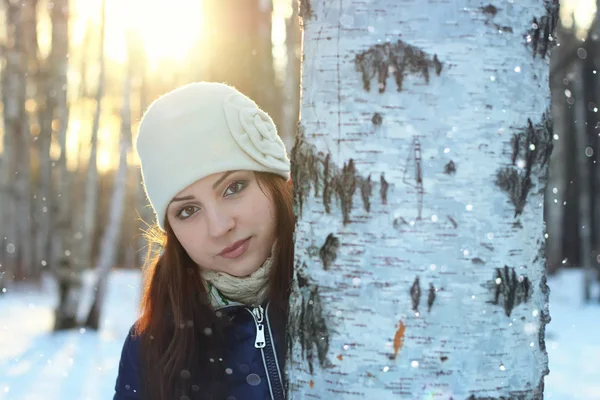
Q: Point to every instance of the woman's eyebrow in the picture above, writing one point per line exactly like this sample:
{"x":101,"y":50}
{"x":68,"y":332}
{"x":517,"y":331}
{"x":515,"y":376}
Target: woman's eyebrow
{"x":190,"y":197}
{"x":222,"y":178}
{"x":217,"y":183}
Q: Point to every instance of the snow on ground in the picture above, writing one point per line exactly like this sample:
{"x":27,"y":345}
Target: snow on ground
{"x":82,"y":365}
{"x":74,"y":365}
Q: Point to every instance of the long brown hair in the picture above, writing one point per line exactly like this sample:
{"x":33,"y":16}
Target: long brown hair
{"x":181,"y":334}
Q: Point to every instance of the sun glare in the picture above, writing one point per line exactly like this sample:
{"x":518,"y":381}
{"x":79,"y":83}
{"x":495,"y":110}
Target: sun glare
{"x":580,"y":13}
{"x":168,"y":30}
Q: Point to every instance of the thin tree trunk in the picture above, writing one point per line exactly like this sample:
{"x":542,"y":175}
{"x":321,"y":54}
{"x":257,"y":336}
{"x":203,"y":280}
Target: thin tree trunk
{"x":291,"y":106}
{"x":240,"y":50}
{"x":22,"y":187}
{"x":44,"y":206}
{"x":16,"y":157}
{"x":12,"y":98}
{"x":592,"y":62}
{"x":69,"y":278}
{"x":419,"y":171}
{"x":556,"y":194}
{"x":26,"y":215}
{"x":584,"y":180}
{"x":111,"y":236}
{"x":270,"y":95}
{"x":88,"y":225}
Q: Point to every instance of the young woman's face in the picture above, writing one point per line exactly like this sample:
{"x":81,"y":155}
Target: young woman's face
{"x":225,"y":222}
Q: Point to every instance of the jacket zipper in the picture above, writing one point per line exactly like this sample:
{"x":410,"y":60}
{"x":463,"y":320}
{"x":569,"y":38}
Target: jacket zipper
{"x":274,"y":365}
{"x":266,"y":345}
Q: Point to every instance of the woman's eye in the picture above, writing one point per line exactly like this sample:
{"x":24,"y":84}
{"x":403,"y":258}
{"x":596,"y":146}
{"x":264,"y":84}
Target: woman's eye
{"x":235,"y":187}
{"x":186,"y":212}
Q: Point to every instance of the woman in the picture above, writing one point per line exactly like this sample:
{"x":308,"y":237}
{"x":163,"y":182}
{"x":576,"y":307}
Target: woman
{"x":215,"y":301}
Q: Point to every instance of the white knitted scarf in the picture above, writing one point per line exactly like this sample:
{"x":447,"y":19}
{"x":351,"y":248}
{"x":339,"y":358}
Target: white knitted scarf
{"x":249,"y":290}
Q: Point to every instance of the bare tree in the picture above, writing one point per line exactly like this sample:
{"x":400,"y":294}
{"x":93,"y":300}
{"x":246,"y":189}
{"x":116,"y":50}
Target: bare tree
{"x":291,"y":92}
{"x":13,"y":98}
{"x":63,"y":268}
{"x":88,"y":217}
{"x":112,"y":233}
{"x":16,"y":168}
{"x":240,"y":49}
{"x":45,"y":78}
{"x":419,"y":171}
{"x":562,"y":113}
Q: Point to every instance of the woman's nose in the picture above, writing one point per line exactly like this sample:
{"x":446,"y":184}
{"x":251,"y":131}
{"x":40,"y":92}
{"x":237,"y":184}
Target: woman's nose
{"x":220,"y":222}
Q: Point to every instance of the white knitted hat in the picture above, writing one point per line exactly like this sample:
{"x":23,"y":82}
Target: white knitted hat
{"x":200,"y":129}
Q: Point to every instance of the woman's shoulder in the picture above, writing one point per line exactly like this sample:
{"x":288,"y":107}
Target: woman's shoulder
{"x":127,"y":385}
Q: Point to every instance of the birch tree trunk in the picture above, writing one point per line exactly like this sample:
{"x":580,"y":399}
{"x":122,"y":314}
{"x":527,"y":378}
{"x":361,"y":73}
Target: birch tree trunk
{"x":112,"y":233}
{"x":590,"y":76}
{"x":68,"y":276}
{"x":23,"y":145}
{"x":291,"y":92}
{"x":12,"y":98}
{"x":556,"y":192}
{"x":88,"y":221}
{"x":419,"y":171}
{"x":584,"y":178}
{"x":16,"y":164}
{"x":44,"y":206}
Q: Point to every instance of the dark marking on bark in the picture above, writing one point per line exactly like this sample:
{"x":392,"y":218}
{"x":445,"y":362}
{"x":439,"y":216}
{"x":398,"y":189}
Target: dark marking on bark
{"x":414,"y":156}
{"x":437,"y":64}
{"x":516,"y":185}
{"x":326,"y":185}
{"x":399,"y":221}
{"x":514,"y":290}
{"x":415,"y":294}
{"x":531,"y":149}
{"x":300,"y":167}
{"x":301,"y":278}
{"x":328,"y":252}
{"x":311,"y":168}
{"x":399,"y":57}
{"x":366,"y":187}
{"x":313,"y":332}
{"x":305,"y":11}
{"x":544,"y":320}
{"x":313,"y":173}
{"x":383,"y":189}
{"x":477,"y":261}
{"x":450,"y":168}
{"x":487,"y":246}
{"x":541,"y":37}
{"x":345,"y":188}
{"x":431,"y":297}
{"x":377,"y":119}
{"x":489,"y":9}
{"x":453,"y":222}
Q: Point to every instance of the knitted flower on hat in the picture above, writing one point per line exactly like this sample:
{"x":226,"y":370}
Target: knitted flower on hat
{"x":254,"y":131}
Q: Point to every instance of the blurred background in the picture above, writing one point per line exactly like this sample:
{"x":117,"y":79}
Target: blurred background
{"x":76,"y":78}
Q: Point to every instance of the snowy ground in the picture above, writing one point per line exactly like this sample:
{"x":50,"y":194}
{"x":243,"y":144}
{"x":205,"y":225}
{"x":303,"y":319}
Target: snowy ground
{"x":80,"y":365}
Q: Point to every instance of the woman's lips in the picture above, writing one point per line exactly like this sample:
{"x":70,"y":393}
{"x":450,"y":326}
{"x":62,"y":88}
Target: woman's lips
{"x":236,"y":249}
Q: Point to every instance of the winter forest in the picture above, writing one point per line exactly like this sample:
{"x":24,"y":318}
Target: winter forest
{"x":446,"y":189}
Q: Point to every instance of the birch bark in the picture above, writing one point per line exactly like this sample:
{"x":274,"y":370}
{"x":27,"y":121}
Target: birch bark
{"x":419,"y":171}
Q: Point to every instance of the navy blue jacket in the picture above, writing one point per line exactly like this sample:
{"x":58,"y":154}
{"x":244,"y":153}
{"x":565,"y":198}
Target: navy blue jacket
{"x":253,"y":359}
